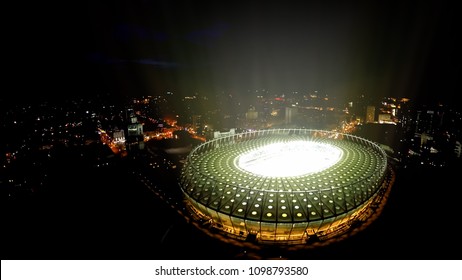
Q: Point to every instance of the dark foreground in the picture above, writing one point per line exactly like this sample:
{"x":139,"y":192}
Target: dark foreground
{"x":109,"y":215}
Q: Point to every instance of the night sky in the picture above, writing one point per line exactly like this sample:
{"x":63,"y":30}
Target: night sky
{"x":132,"y":48}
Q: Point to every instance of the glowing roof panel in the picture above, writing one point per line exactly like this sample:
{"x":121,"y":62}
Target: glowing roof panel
{"x":289,"y":159}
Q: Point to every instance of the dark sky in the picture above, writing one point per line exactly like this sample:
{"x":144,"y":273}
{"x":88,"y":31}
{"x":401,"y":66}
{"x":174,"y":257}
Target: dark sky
{"x":342,"y":48}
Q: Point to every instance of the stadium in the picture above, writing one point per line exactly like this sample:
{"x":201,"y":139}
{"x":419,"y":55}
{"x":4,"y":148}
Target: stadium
{"x":284,"y":186}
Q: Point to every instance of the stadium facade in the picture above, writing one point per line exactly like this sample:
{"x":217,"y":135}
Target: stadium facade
{"x":284,"y":186}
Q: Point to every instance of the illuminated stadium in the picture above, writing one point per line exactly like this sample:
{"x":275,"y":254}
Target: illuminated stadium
{"x":284,"y":186}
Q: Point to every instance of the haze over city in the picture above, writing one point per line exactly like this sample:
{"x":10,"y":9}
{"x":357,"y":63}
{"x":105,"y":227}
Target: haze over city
{"x":104,"y":100}
{"x":134,"y":48}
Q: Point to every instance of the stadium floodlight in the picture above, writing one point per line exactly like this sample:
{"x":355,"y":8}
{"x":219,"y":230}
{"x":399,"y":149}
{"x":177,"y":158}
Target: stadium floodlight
{"x":289,"y":159}
{"x":282,"y":186}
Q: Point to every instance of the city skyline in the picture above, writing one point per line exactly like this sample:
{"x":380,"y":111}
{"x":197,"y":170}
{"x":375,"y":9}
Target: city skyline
{"x":134,"y":198}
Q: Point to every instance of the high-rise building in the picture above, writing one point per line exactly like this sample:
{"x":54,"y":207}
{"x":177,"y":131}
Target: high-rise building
{"x":196,"y":122}
{"x":135,"y":135}
{"x":251,"y":114}
{"x":118,"y":135}
{"x":290,"y":115}
{"x":135,"y":129}
{"x":424,"y":121}
{"x":370,"y":114}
